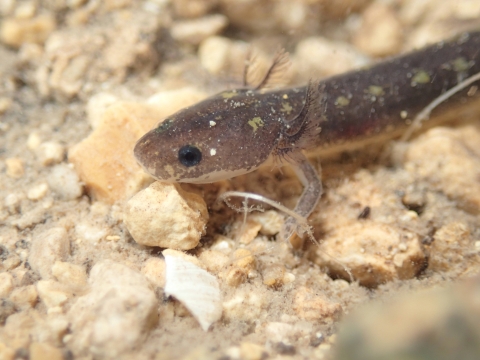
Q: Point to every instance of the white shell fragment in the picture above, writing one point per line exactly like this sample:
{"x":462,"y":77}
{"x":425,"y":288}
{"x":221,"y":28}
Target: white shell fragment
{"x":194,"y":287}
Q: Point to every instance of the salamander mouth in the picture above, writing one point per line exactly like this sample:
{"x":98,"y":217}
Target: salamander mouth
{"x":215,"y":176}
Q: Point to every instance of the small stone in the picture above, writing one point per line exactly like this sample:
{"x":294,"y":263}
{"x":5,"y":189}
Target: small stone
{"x":243,"y":264}
{"x":166,"y":216}
{"x":120,"y":298}
{"x":214,"y":54}
{"x":34,"y":140}
{"x":366,"y":251}
{"x":246,"y":232}
{"x":52,"y":293}
{"x":312,"y":307}
{"x":193,"y":8}
{"x":70,"y":275}
{"x":24,"y":297}
{"x":12,"y":202}
{"x":154,"y":271}
{"x":50,"y":246}
{"x":251,"y":351}
{"x":6,"y":284}
{"x":195,"y":31}
{"x":43,"y":351}
{"x":96,"y":107}
{"x":333,"y":57}
{"x":37,"y":192}
{"x":16,"y":32}
{"x":273,"y":275}
{"x":14,"y":167}
{"x":5,"y":104}
{"x":381,"y":33}
{"x":92,"y":233}
{"x":214,"y":261}
{"x":64,"y":182}
{"x":50,"y":153}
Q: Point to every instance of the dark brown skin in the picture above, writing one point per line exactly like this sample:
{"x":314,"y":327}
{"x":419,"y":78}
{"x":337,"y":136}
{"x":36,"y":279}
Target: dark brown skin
{"x":235,"y":132}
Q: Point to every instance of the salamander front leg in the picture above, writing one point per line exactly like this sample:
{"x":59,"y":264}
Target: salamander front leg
{"x":311,"y":180}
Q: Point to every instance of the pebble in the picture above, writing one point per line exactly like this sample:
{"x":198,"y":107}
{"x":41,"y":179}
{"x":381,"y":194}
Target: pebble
{"x":37,"y":192}
{"x":120,"y":298}
{"x":70,"y":275}
{"x":220,"y":55}
{"x":93,"y":233}
{"x":166,"y":216}
{"x":52,"y":293}
{"x":15,"y":167}
{"x":43,"y":351}
{"x":251,"y":351}
{"x":371,"y":253}
{"x":24,"y":297}
{"x":317,"y":57}
{"x":48,"y":247}
{"x":273,"y":275}
{"x":64,"y":182}
{"x":194,"y":31}
{"x":34,"y":140}
{"x":6,"y":284}
{"x":154,"y":271}
{"x":449,"y":160}
{"x":193,"y":8}
{"x":243,"y":264}
{"x":312,"y":307}
{"x":7,"y":308}
{"x":50,"y":153}
{"x":16,"y":32}
{"x":214,"y":260}
{"x":109,"y":171}
{"x":447,"y":252}
{"x":5,"y":104}
{"x":381,"y":32}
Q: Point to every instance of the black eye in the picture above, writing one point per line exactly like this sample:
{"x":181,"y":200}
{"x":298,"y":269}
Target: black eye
{"x":189,"y":155}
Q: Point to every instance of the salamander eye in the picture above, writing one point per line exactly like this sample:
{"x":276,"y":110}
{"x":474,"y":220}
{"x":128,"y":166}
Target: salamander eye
{"x":189,"y":155}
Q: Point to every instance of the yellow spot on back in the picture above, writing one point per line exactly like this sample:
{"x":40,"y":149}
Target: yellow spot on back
{"x":229,"y":94}
{"x":286,"y":107}
{"x":342,"y":101}
{"x":255,"y":123}
{"x":460,"y":64}
{"x":375,"y":90}
{"x":421,"y":77}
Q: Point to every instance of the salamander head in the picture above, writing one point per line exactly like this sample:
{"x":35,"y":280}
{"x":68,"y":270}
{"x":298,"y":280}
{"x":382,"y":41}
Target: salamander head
{"x":221,"y":137}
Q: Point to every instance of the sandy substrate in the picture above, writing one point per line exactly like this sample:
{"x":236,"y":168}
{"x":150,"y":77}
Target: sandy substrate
{"x":84,"y":273}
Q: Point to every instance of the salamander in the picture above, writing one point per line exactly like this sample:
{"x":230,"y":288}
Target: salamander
{"x":236,"y":131}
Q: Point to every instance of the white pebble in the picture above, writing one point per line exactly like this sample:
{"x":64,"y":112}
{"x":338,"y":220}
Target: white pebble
{"x":214,"y":54}
{"x":164,"y":215}
{"x":50,"y":152}
{"x":37,"y":192}
{"x":64,"y":182}
{"x":194,"y":287}
{"x":6,"y":284}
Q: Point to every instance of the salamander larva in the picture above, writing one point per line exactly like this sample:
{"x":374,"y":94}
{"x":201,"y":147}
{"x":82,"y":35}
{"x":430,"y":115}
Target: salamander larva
{"x":236,"y":131}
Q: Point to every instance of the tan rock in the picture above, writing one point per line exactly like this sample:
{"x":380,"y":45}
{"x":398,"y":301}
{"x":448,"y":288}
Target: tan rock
{"x":120,"y":299}
{"x":381,"y":33}
{"x":154,"y":271}
{"x":15,"y":32}
{"x":70,"y":275}
{"x":104,"y":160}
{"x":166,"y":216}
{"x":251,"y":351}
{"x":214,"y":261}
{"x":24,"y":297}
{"x":273,"y":275}
{"x":195,"y":31}
{"x":15,"y":167}
{"x":52,"y":293}
{"x":43,"y":351}
{"x":449,"y":159}
{"x":243,"y":263}
{"x":64,"y":182}
{"x":313,"y":307}
{"x":37,"y":192}
{"x":48,"y":247}
{"x":372,"y":253}
{"x":6,"y":284}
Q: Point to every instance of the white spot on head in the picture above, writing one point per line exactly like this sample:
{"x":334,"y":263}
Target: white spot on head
{"x":212,"y":123}
{"x":213,"y":152}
